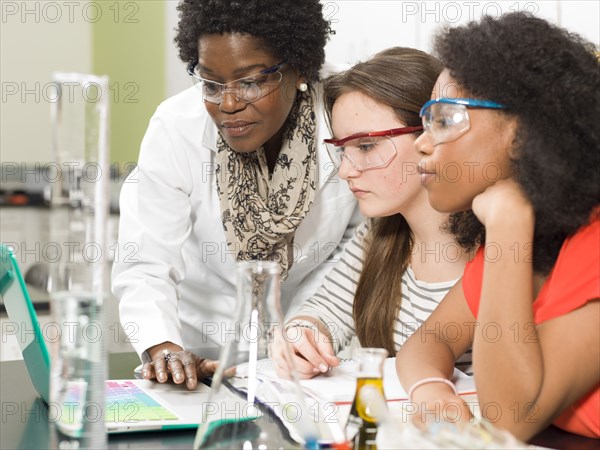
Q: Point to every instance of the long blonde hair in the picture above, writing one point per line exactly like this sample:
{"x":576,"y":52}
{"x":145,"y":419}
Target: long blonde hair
{"x":403,"y":79}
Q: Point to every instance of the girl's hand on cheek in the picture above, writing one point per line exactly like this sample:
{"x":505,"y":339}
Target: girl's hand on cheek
{"x":502,"y":203}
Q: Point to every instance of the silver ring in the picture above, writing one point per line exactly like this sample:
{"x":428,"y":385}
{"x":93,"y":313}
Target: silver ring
{"x":167,"y":355}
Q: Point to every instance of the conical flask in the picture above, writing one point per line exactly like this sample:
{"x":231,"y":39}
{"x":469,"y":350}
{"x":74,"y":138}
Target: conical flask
{"x":249,"y":407}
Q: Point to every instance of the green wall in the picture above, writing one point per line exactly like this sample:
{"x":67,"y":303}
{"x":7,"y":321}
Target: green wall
{"x":128,"y":45}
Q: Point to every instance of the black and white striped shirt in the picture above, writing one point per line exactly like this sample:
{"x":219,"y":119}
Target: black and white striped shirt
{"x":332,"y":303}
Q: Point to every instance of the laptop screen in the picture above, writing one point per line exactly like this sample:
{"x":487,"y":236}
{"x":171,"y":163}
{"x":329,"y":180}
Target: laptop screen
{"x":23,"y":322}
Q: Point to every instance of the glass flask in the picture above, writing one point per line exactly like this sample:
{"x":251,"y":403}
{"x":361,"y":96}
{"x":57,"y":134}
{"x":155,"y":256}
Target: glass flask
{"x":249,"y":407}
{"x":361,"y":428}
{"x":79,"y":272}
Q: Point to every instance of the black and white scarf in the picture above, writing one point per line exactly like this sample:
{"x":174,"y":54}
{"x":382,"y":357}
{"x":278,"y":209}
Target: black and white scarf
{"x":261,"y":212}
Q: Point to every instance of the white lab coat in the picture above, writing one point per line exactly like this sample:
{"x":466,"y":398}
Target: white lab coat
{"x":174,"y":275}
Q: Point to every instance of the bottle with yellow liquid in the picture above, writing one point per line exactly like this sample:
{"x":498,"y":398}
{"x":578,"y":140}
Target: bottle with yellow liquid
{"x":362,"y":426}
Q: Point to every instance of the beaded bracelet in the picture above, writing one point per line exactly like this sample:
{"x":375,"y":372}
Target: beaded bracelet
{"x":301,"y":324}
{"x":430,"y":380}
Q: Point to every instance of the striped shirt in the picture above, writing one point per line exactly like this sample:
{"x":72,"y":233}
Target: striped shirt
{"x":332,"y":303}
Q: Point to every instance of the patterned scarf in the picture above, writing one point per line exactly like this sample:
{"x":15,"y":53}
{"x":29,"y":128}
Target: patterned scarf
{"x":261,"y":213}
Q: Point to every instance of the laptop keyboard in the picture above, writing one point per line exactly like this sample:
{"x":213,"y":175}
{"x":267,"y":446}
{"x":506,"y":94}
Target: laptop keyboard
{"x":126,"y":402}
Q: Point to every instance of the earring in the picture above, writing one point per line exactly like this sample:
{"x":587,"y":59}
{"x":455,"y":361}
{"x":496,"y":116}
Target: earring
{"x":303,"y":87}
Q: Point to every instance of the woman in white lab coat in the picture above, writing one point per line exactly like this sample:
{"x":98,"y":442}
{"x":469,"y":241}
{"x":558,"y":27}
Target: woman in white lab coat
{"x":230,"y":169}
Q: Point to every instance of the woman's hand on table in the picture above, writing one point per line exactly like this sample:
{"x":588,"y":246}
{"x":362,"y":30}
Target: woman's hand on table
{"x":170,"y":361}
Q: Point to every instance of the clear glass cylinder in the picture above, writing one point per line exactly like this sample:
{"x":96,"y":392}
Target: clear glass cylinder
{"x":79,"y":276}
{"x":78,"y":360}
{"x":245,"y":407}
{"x":78,"y":115}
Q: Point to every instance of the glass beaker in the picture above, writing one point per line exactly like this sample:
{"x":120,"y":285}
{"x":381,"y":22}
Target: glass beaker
{"x":246,"y":406}
{"x":78,"y":358}
{"x":79,"y":274}
{"x":362,"y":425}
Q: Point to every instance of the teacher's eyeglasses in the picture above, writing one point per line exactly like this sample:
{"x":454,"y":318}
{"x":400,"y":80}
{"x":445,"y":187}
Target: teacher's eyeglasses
{"x":247,"y":89}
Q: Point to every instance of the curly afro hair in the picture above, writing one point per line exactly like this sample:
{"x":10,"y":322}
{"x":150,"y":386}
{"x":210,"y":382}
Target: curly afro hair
{"x":293,"y":31}
{"x":550,"y":81}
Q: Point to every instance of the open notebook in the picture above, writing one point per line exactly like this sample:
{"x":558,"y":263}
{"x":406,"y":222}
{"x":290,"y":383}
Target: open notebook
{"x":131,"y":405}
{"x":339,"y":384}
{"x":329,"y":396}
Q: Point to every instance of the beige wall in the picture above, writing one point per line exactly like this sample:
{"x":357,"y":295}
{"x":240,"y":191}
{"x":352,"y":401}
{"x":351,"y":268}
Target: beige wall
{"x":36,"y":39}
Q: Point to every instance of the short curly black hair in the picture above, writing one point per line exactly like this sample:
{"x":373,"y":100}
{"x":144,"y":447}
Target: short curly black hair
{"x":293,"y":31}
{"x":550,"y":81}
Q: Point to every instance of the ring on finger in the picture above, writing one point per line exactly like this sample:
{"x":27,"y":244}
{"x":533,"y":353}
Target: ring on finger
{"x":167,"y":355}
